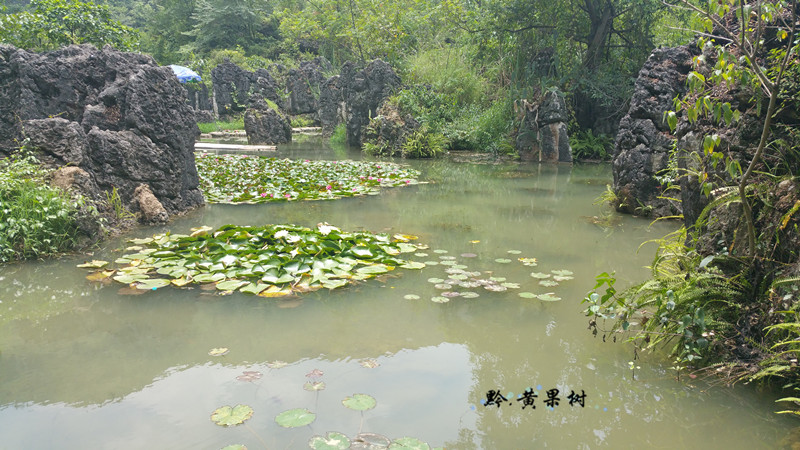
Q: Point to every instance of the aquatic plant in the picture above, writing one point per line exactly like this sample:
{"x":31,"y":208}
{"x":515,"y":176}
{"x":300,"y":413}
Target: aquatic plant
{"x":254,"y":179}
{"x":271,"y":261}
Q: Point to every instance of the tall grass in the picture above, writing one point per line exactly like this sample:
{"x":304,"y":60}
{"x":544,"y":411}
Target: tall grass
{"x":35,"y":219}
{"x":209,"y":127}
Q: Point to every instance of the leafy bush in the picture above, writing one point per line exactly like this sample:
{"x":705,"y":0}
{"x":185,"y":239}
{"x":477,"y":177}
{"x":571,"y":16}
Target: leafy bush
{"x":339,"y":135}
{"x":35,"y":219}
{"x":302,"y":122}
{"x":585,"y":145}
{"x":235,"y":124}
{"x":456,"y":79}
{"x":423,"y":144}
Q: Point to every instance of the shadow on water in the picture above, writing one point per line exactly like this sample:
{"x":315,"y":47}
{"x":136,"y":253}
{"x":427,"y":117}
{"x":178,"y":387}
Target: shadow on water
{"x":83,"y":366}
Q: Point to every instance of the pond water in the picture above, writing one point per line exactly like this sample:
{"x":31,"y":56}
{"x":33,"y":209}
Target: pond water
{"x":82,"y":366}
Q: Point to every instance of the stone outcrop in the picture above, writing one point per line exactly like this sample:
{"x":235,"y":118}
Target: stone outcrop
{"x":390,"y":129}
{"x":265,"y":125}
{"x":119,"y":117}
{"x":235,"y":89}
{"x":303,"y":86}
{"x":332,"y":104}
{"x":644,"y":141}
{"x":364,"y":92}
{"x":542,"y":134}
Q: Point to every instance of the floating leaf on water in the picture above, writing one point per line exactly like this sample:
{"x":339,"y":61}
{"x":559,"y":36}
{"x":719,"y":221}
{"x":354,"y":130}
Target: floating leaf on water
{"x":458,"y":266}
{"x":514,"y":252}
{"x":230,"y":285}
{"x":562,"y":272}
{"x":469,"y":294}
{"x":450,"y":294}
{"x":95,"y":264}
{"x":548,"y":283}
{"x":414,"y":265}
{"x":458,"y":276}
{"x":226,"y":416}
{"x":252,"y":288}
{"x":469,"y":255}
{"x":448,"y":263}
{"x":495,"y":288}
{"x":249,"y":375}
{"x":411,"y":297}
{"x":510,"y":285}
{"x":143,"y":241}
{"x":548,"y":297}
{"x":435,"y":280}
{"x":440,"y":299}
{"x":293,"y":418}
{"x":540,"y":275}
{"x":431,"y":263}
{"x":408,"y":443}
{"x":277,"y":364}
{"x":405,"y":237}
{"x":369,"y":363}
{"x":234,"y":447}
{"x":325,"y":229}
{"x":528,"y":261}
{"x":218,"y":351}
{"x":128,"y":279}
{"x":314,"y":385}
{"x":443,"y":286}
{"x":527,"y":295}
{"x":562,"y":278}
{"x":440,"y":251}
{"x":316,"y":373}
{"x":100,"y":275}
{"x":370,"y":441}
{"x":420,"y":254}
{"x":331,"y":441}
{"x":447,"y":258}
{"x":275,"y":291}
{"x":469,"y":284}
{"x":333,"y":284}
{"x":373,"y":269}
{"x":502,"y":260}
{"x":152,"y":283}
{"x":360,"y":402}
{"x":497,"y":279}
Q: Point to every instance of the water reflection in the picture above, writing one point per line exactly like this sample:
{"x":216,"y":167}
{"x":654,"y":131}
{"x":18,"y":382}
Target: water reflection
{"x":83,"y":366}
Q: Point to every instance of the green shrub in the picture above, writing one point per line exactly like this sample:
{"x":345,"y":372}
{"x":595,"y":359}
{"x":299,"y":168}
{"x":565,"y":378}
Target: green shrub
{"x":302,"y":122}
{"x":424,"y":144}
{"x":235,"y":124}
{"x":35,"y":219}
{"x":456,"y":79}
{"x":339,"y":135}
{"x":585,"y":145}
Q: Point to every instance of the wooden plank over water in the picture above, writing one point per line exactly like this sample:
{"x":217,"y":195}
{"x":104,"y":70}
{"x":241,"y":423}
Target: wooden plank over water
{"x":234,"y":147}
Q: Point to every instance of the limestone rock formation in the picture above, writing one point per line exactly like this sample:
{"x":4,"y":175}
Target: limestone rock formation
{"x":118,"y":116}
{"x":644,"y":140}
{"x":303,"y":85}
{"x":265,"y":125}
{"x":364,"y":92}
{"x":542,"y":134}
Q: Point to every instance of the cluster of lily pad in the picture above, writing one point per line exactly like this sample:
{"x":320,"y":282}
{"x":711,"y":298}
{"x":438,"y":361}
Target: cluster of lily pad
{"x":459,"y":276}
{"x":258,"y":179}
{"x":270,"y":261}
{"x":229,"y":416}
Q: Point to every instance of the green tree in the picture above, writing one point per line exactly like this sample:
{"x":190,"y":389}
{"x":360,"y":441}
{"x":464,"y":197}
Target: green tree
{"x":57,"y":23}
{"x":222,"y":24}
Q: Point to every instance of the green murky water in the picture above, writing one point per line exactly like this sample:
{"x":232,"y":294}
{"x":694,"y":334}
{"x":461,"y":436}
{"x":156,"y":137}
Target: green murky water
{"x":82,"y":366}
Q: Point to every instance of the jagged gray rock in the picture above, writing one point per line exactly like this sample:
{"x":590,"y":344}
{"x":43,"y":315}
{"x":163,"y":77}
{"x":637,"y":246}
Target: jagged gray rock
{"x":364,"y":92}
{"x":264,"y":125}
{"x":644,"y":140}
{"x":118,"y":116}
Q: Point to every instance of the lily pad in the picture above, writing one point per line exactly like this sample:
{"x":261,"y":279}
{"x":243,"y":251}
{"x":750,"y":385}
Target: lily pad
{"x":562,"y":277}
{"x":249,"y":375}
{"x":227,"y":416}
{"x":371,"y":441}
{"x":435,"y":280}
{"x":314,"y":385}
{"x":562,"y":272}
{"x":548,"y":297}
{"x":360,"y":402}
{"x":220,"y":351}
{"x":408,"y":443}
{"x":527,"y":295}
{"x":531,"y":262}
{"x":414,"y":265}
{"x":450,"y":294}
{"x":411,"y":297}
{"x":95,"y":264}
{"x":331,"y":441}
{"x":548,"y":283}
{"x":443,"y":286}
{"x":440,"y":299}
{"x":540,"y":275}
{"x":514,"y":252}
{"x":502,"y":260}
{"x":277,"y":364}
{"x":510,"y":285}
{"x":470,"y":294}
{"x":440,"y":251}
{"x":469,"y":255}
{"x":369,"y":363}
{"x":293,"y":418}
{"x":231,"y":285}
{"x":234,"y":447}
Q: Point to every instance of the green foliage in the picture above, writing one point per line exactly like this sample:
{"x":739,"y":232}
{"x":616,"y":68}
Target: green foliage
{"x":115,"y":202}
{"x":585,"y":145}
{"x":222,"y":24}
{"x":449,"y":73}
{"x":339,"y":135}
{"x":252,"y":179}
{"x":222,"y":125}
{"x":301,"y":122}
{"x":423,"y":144}
{"x":270,"y":261}
{"x":57,"y":23}
{"x":35,"y":219}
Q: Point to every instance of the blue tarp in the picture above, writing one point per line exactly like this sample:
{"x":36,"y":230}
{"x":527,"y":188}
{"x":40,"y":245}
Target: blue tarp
{"x":184,"y":74}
